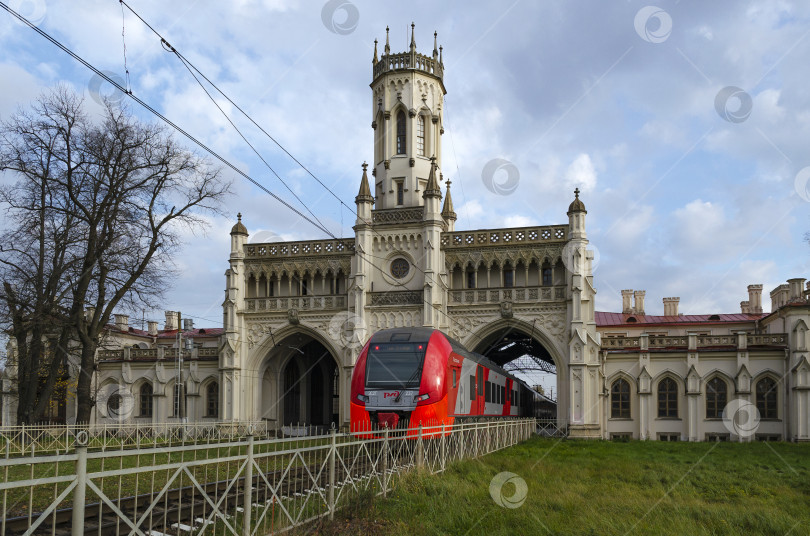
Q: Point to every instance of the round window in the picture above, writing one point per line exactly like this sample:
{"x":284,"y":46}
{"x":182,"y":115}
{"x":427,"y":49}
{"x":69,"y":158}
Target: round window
{"x":400,"y":268}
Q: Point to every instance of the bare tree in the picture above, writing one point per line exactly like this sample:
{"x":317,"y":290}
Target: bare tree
{"x":126,"y":191}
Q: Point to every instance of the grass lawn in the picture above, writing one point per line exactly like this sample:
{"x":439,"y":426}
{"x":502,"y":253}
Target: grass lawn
{"x":598,"y":487}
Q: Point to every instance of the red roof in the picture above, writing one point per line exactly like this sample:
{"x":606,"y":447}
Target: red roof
{"x":194,"y":333}
{"x":620,"y":319}
{"x":163,"y":334}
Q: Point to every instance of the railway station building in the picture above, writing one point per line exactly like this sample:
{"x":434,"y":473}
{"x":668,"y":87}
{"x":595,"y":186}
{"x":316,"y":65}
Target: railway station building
{"x":296,"y":314}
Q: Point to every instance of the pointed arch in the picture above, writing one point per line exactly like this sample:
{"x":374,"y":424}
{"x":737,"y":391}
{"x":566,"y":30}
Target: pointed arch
{"x":717,"y":389}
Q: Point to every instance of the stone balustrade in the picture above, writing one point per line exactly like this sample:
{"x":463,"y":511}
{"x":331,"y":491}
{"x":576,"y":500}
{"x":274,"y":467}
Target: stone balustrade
{"x":703,"y":341}
{"x":514,"y":294}
{"x":299,"y":249}
{"x":160,"y":352}
{"x":408,"y":61}
{"x":302,"y":303}
{"x":505,"y":237}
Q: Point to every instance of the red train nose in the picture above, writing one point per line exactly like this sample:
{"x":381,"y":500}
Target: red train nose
{"x":388,"y":420}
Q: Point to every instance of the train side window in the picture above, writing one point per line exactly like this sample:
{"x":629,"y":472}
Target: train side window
{"x":454,"y":378}
{"x":472,"y":388}
{"x":488,"y":390}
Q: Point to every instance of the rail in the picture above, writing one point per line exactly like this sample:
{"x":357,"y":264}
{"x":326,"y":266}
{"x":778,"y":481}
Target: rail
{"x":252,"y":486}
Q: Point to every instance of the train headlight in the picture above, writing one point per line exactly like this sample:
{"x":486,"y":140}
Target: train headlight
{"x":362,"y":398}
{"x":421,"y":398}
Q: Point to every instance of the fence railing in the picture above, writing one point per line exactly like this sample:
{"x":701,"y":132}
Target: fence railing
{"x":41,"y":439}
{"x":253,"y":486}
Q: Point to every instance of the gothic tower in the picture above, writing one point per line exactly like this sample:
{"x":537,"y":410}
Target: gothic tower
{"x":407,"y":98}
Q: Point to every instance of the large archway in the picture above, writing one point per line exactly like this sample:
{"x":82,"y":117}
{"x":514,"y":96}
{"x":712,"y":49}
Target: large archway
{"x":528,"y":353}
{"x":299,"y":383}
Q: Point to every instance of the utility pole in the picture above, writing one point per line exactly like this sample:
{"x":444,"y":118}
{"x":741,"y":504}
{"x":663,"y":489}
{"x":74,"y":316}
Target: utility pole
{"x":181,"y":388}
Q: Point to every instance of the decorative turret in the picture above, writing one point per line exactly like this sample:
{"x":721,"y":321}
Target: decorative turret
{"x":407,"y":118}
{"x":374,"y":60}
{"x":239,"y":236}
{"x":364,"y":199}
{"x":447,"y":210}
{"x":576,"y":205}
{"x":576,"y":217}
{"x":364,"y":195}
{"x":432,"y":189}
{"x":239,"y":228}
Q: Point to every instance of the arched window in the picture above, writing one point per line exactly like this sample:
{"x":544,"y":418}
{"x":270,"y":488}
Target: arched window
{"x":401,"y":132}
{"x":212,"y":400}
{"x":508,"y":277}
{"x":716,"y":395}
{"x":176,"y":397}
{"x":420,"y":135}
{"x":766,"y":399}
{"x":668,"y":398}
{"x":546,"y":276}
{"x":620,"y":399}
{"x":145,"y":401}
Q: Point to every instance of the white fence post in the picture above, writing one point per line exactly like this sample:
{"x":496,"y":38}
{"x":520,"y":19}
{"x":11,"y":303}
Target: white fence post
{"x":444,"y":449}
{"x":77,"y":527}
{"x":332,"y":456}
{"x":420,"y":449}
{"x":385,"y":462}
{"x":246,"y":529}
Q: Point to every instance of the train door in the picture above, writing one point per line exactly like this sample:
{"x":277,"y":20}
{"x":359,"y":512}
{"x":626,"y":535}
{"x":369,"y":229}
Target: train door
{"x":479,"y":406}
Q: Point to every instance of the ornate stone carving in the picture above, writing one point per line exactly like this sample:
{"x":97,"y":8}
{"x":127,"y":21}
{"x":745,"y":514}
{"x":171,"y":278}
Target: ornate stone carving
{"x":407,"y":297}
{"x":292,"y":317}
{"x":397,"y":215}
{"x":506,"y":309}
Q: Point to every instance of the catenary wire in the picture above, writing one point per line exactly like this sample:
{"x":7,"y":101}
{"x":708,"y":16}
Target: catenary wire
{"x":203,"y":146}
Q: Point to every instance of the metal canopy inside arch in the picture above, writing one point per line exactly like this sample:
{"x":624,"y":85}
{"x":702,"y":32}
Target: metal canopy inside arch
{"x":516,"y":351}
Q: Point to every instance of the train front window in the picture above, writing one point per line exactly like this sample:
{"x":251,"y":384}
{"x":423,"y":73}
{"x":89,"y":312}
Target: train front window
{"x":396,"y":365}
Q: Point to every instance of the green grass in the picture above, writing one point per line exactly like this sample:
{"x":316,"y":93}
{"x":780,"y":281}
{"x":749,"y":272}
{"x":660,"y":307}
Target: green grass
{"x":596,"y":487}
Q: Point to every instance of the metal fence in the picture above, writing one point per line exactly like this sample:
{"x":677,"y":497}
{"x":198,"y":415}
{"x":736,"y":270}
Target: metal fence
{"x":246,"y":487}
{"x":33,"y":440}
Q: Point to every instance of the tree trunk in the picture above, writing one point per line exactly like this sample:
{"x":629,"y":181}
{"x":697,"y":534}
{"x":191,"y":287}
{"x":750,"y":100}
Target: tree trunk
{"x":84,"y":386}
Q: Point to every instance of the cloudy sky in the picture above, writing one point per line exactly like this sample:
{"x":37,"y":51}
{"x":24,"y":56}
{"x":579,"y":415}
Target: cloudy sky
{"x":685,"y":125}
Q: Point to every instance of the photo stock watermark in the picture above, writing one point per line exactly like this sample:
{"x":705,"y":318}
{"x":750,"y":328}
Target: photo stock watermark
{"x":265,"y":237}
{"x":733,"y":104}
{"x":116,"y":403}
{"x":101,"y":89}
{"x":741,"y":418}
{"x":576,"y":257}
{"x":348,"y":328}
{"x":508,"y":490}
{"x":501,"y":177}
{"x":653,"y":24}
{"x":340,"y":16}
{"x":800,"y":183}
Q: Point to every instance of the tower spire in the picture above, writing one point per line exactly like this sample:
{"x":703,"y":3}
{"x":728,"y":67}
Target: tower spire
{"x":364,"y":195}
{"x":375,"y":60}
{"x":440,"y":56}
{"x":447,"y":210}
{"x":435,"y":51}
{"x":413,"y":37}
{"x":387,"y":44}
{"x":432,"y":188}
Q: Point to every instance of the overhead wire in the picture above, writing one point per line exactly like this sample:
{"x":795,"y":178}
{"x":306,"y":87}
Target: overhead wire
{"x":160,"y":116}
{"x":210,"y":151}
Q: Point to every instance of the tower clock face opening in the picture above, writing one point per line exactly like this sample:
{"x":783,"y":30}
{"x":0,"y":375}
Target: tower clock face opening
{"x":400,"y":268}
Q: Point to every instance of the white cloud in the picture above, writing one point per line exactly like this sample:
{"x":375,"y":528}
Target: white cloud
{"x":581,"y":173}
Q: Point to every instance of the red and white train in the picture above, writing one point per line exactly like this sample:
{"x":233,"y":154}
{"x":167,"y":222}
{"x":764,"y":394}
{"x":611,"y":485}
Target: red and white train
{"x":410,"y":376}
